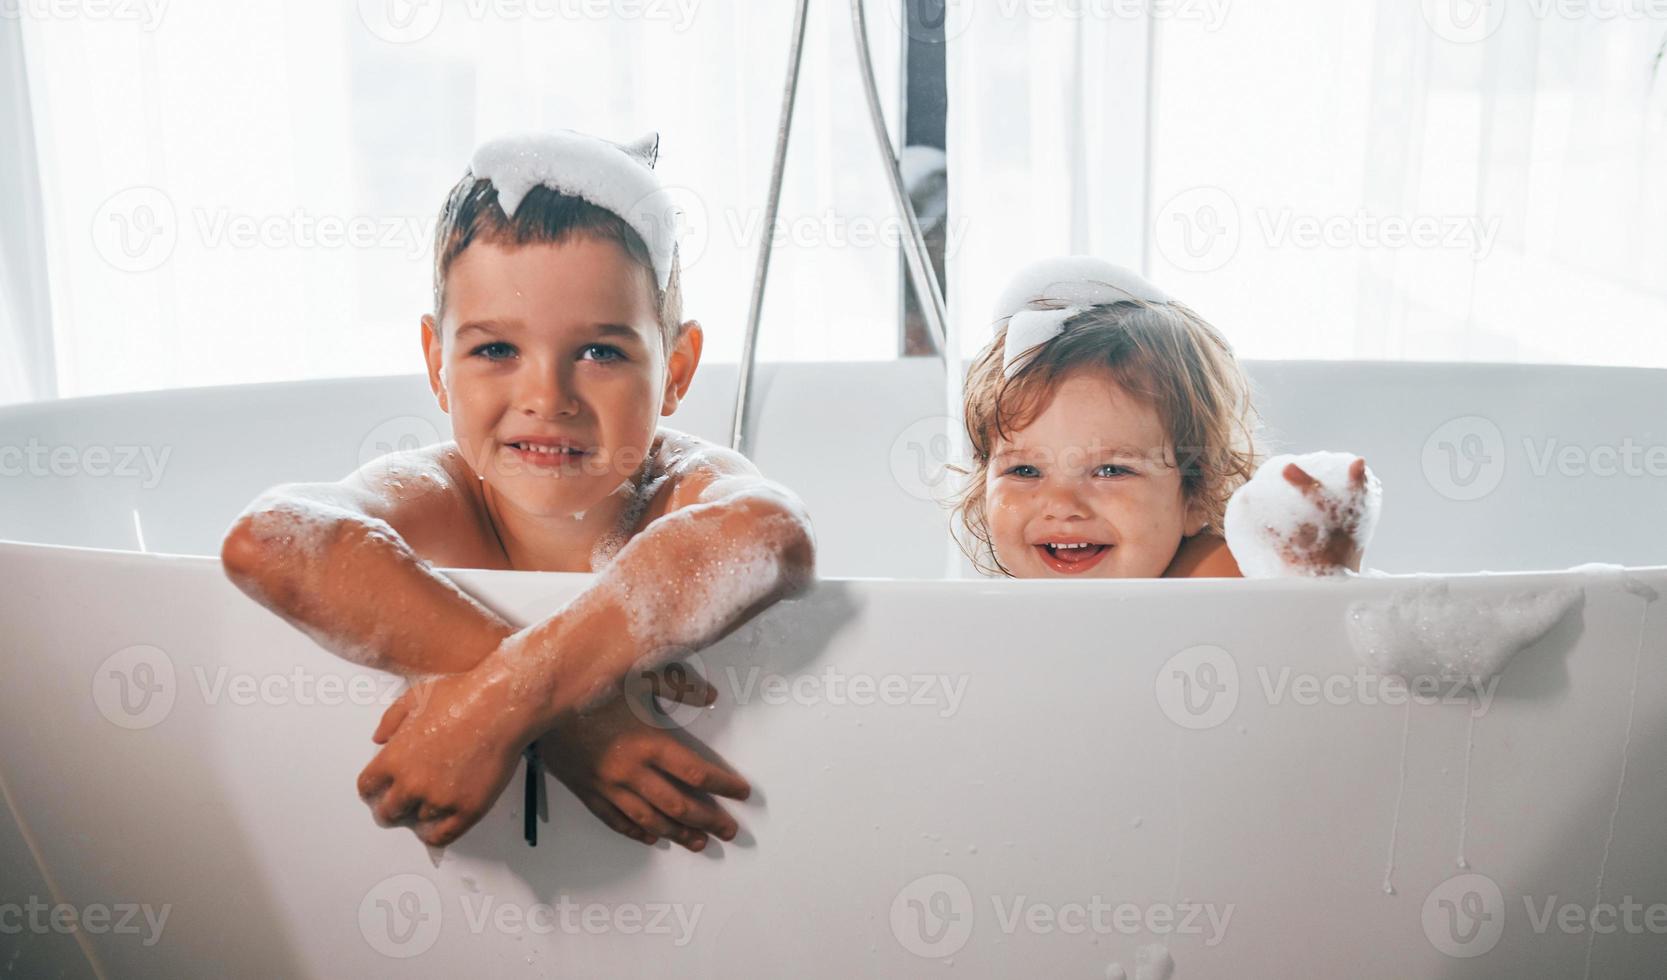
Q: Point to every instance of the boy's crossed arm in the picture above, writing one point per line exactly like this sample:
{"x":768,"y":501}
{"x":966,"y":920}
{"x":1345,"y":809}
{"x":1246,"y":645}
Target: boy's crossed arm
{"x":729,"y":545}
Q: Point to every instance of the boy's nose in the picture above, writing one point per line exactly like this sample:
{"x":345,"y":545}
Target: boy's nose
{"x":549,"y":395}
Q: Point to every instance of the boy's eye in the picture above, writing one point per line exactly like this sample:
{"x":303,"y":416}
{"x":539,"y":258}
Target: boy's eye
{"x":601,"y":352}
{"x":500,"y":350}
{"x":1024,"y":469}
{"x":1113,"y":470}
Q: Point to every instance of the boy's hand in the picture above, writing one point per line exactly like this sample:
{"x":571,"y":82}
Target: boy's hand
{"x":643,"y":781}
{"x":1335,"y":546}
{"x":450,"y":747}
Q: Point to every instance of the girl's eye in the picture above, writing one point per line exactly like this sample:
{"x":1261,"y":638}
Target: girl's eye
{"x":1025,"y":470}
{"x":502,"y":350}
{"x":602,"y":352}
{"x":1113,"y":470}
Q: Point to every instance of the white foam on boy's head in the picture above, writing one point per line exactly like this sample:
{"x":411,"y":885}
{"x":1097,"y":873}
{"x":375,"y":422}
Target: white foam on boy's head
{"x":1043,"y":295}
{"x":615,"y":178}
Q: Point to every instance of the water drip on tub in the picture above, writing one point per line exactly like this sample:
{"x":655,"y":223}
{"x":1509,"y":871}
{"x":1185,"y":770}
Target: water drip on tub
{"x":1649,"y":596}
{"x":1464,"y":796}
{"x":1400,"y":794}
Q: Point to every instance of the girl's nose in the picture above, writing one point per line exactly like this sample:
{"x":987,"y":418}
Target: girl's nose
{"x":1061,"y":502}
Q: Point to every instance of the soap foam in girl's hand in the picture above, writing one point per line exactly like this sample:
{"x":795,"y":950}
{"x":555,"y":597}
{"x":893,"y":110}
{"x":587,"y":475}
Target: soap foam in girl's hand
{"x":1303,"y":522}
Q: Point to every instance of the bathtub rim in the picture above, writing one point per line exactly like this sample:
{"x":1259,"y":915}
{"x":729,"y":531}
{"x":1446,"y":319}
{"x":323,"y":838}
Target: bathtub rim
{"x":989,"y":586}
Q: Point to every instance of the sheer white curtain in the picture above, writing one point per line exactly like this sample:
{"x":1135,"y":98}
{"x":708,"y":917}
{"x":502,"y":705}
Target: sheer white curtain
{"x":1047,"y":142}
{"x":25,"y":318}
{"x":1441,"y":179}
{"x":1435,"y":180}
{"x":245,"y":192}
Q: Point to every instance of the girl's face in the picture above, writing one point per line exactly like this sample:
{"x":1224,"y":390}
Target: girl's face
{"x":552,"y":369}
{"x":1094,"y":470}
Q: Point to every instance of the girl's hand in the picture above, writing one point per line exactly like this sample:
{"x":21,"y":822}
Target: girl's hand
{"x":450,"y":746}
{"x":644,"y":781}
{"x":1334,"y":545}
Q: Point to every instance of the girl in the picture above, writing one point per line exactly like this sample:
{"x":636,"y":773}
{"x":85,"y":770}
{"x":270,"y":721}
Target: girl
{"x":1110,"y":425}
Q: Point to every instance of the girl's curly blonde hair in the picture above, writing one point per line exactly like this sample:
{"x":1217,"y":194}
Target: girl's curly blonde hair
{"x":1164,"y":354}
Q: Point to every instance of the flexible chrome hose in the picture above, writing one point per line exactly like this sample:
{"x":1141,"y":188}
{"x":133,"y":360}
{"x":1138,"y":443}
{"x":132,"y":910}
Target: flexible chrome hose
{"x":914,"y":245}
{"x":749,"y":345}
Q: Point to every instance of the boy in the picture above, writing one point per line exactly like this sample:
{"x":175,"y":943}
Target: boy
{"x":556,"y":342}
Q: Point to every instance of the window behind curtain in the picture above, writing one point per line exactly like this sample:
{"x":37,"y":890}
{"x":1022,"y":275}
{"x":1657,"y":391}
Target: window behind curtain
{"x":245,"y":192}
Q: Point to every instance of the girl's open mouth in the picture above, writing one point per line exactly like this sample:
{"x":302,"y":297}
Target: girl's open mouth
{"x":1072,"y":557}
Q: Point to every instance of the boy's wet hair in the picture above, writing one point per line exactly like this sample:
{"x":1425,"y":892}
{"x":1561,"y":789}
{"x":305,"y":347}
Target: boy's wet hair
{"x":1163,"y":354}
{"x":546,"y":216}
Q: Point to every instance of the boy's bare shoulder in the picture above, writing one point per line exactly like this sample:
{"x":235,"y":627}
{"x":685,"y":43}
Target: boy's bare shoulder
{"x":431,"y":498}
{"x":691,"y":466}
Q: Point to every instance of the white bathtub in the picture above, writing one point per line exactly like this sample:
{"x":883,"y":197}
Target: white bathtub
{"x":1017,"y":789}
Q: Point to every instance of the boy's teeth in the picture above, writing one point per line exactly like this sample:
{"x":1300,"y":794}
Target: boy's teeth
{"x":553,"y":450}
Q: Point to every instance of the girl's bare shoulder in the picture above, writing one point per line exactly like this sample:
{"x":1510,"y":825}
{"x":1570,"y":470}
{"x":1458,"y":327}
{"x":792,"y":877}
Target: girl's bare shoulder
{"x":1204,"y":555}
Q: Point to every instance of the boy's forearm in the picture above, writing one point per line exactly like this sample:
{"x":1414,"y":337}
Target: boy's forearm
{"x":682,"y":584}
{"x":357,"y":589}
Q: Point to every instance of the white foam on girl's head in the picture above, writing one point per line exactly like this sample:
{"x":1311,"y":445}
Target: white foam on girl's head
{"x":1265,"y":515}
{"x":614,"y":178}
{"x":1426,"y":631}
{"x":1074,"y":280}
{"x":1029,"y":329}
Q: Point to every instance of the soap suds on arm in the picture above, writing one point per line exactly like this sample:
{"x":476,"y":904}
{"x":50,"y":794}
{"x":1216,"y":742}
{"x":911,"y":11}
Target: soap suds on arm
{"x":313,"y":554}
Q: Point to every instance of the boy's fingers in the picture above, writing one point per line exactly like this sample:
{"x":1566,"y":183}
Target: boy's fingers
{"x":688,"y":807}
{"x":645,"y":815}
{"x":428,"y":812}
{"x":372,"y":781}
{"x":619,"y":822}
{"x":690,"y":768}
{"x":393,"y":807}
{"x":391,"y":719}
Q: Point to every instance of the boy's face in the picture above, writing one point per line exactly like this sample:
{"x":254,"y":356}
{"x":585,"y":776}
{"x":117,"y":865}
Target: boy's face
{"x":1095,"y":468}
{"x":555,"y":346}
